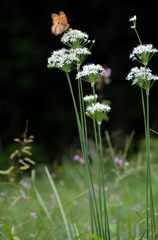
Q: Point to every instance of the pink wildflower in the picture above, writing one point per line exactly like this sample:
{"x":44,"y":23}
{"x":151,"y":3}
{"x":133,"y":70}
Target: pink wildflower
{"x":78,"y":158}
{"x":118,"y":160}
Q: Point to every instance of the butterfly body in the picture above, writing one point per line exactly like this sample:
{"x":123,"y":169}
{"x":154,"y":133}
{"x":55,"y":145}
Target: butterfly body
{"x":60,"y":23}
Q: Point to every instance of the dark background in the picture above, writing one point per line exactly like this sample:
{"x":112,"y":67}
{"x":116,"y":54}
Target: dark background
{"x":29,"y":90}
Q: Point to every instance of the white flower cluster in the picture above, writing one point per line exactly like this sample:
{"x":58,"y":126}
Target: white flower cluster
{"x":61,"y":57}
{"x":74,"y":35}
{"x":141,"y":49}
{"x":134,"y":18}
{"x":141,"y":73}
{"x":90,"y":69}
{"x":98,"y":107}
{"x":66,"y":56}
{"x":89,"y":98}
{"x":98,"y":112}
{"x":81,"y":51}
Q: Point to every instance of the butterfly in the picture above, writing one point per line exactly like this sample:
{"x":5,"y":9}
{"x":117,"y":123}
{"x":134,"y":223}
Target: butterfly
{"x":60,"y":23}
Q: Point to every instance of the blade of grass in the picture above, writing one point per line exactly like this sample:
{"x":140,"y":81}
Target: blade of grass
{"x":68,"y":232}
{"x":41,"y":202}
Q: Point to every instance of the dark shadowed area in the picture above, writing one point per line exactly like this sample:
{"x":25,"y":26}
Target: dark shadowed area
{"x":29,"y":90}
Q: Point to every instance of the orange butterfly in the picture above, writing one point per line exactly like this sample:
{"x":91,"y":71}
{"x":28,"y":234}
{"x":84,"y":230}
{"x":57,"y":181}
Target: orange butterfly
{"x":60,"y":23}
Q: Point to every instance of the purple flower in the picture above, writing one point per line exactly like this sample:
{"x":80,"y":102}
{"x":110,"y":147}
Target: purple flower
{"x":78,"y":158}
{"x":118,"y":161}
{"x":107,"y":73}
{"x":104,"y":79}
{"x":25,"y":184}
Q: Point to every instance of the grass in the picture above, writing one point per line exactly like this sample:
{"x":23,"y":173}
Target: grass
{"x":34,"y":213}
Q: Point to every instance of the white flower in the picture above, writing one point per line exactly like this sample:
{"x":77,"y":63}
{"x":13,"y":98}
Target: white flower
{"x":81,"y":51}
{"x":144,"y":52}
{"x":141,"y":72}
{"x":134,"y":18}
{"x":98,"y":112}
{"x":63,"y":59}
{"x":98,"y":107}
{"x":90,"y":98}
{"x":90,"y":72}
{"x":75,"y":37}
{"x":142,"y":76}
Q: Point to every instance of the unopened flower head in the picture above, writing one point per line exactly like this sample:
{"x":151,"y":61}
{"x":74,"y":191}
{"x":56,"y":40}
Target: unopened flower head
{"x":98,"y":112}
{"x":143,"y":53}
{"x":90,"y":73}
{"x":133,"y":20}
{"x":75,"y":38}
{"x":142,"y":77}
{"x":64,"y":59}
{"x":90,"y":99}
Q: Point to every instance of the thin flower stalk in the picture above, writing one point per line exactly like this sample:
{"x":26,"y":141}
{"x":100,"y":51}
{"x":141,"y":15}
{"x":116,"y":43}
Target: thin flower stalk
{"x":82,"y":131}
{"x":92,"y":197}
{"x":102,"y":184}
{"x":145,"y":81}
{"x":98,"y":159}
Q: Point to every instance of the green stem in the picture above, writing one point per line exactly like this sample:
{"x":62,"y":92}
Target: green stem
{"x":75,"y":108}
{"x":147,"y":186}
{"x":102,"y":183}
{"x":151,"y":209}
{"x":92,"y":197}
{"x":99,"y":175}
{"x":150,"y":222}
{"x":138,"y":36}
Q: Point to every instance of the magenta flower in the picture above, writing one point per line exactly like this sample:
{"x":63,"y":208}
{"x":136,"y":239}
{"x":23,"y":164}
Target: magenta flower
{"x":78,"y":158}
{"x":107,"y":73}
{"x":118,"y":160}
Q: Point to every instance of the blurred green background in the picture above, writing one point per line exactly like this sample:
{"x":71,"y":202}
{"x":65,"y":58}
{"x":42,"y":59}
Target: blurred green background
{"x":28,"y":90}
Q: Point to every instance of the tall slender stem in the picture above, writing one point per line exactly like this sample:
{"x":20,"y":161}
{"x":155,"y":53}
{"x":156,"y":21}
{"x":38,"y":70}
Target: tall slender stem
{"x":147,"y":185}
{"x":152,"y":217}
{"x":102,"y":183}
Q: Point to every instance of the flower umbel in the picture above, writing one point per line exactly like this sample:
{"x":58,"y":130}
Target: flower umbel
{"x":90,"y":99}
{"x":90,"y":73}
{"x":64,"y":59}
{"x":98,"y":112}
{"x":142,"y":77}
{"x":75,"y":38}
{"x":81,"y":54}
{"x":143,"y":53}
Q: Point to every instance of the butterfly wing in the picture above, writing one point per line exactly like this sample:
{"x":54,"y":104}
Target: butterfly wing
{"x":63,"y":19}
{"x":60,"y":23}
{"x":57,"y":29}
{"x":55,"y":18}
